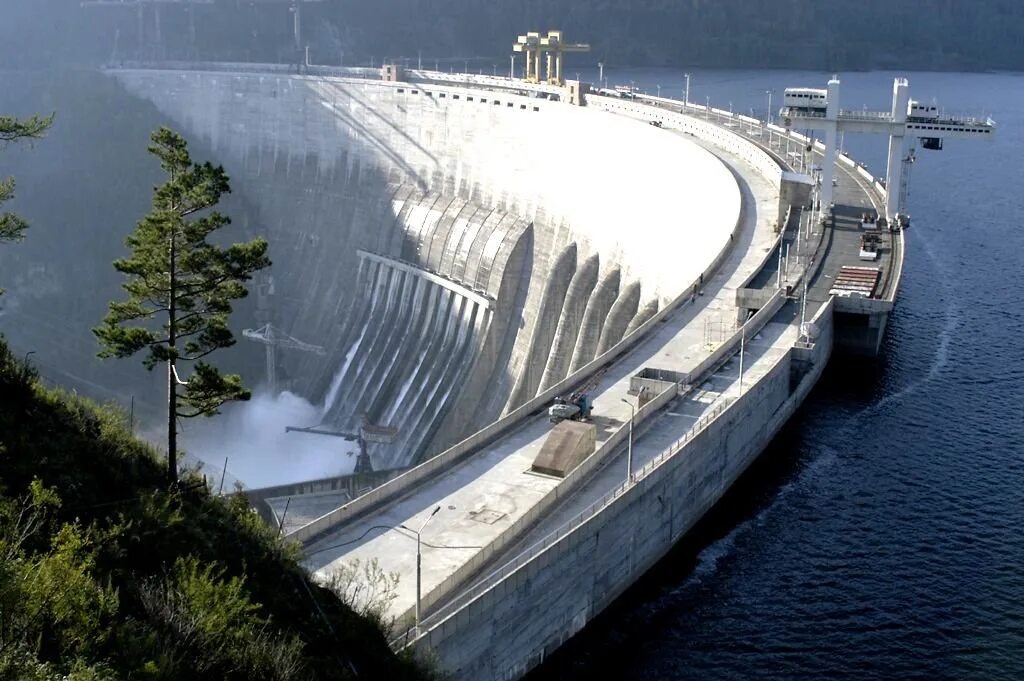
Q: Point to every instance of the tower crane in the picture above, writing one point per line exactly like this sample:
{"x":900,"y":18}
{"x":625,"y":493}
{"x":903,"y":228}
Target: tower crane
{"x":274,"y":338}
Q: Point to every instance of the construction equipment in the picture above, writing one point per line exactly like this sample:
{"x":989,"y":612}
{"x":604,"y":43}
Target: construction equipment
{"x":552,"y":47}
{"x":574,"y":407}
{"x":274,"y":338}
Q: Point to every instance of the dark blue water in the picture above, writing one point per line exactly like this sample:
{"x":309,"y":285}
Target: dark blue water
{"x":882,"y":534}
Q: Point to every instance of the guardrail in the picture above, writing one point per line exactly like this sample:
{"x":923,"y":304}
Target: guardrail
{"x":481,"y":438}
{"x":655,"y":108}
{"x":718,"y":357}
{"x":560,"y":491}
{"x":562,"y":531}
{"x":771,"y":252}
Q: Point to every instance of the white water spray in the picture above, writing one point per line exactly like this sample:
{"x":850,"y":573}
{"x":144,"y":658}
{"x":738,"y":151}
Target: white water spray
{"x":260,"y":453}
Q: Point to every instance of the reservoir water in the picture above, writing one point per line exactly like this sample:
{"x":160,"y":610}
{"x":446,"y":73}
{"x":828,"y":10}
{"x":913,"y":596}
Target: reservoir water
{"x":882,"y":534}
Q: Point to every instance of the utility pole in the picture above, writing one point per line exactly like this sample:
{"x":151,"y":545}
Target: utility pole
{"x":803,"y":306}
{"x":629,"y":447}
{"x":743,"y":338}
{"x":419,"y":565}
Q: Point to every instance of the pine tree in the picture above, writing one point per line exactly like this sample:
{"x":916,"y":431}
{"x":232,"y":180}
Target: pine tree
{"x":175,"y":276}
{"x":12,"y":227}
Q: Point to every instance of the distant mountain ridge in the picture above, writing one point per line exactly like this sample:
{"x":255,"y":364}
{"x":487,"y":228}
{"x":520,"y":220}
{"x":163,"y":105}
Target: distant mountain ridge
{"x":817,"y":34}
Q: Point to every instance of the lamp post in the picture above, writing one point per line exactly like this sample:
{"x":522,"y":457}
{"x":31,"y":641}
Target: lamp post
{"x":600,"y":73}
{"x":512,"y":67}
{"x":419,"y":563}
{"x":659,"y":90}
{"x":769,"y":93}
{"x":686,"y":93}
{"x":743,"y":342}
{"x":629,"y":447}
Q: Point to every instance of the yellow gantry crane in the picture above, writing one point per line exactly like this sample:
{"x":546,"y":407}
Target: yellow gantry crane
{"x":551,"y":48}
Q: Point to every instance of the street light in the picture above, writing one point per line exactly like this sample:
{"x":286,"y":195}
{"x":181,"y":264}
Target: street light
{"x":600,"y":73}
{"x":769,"y":93}
{"x":629,"y":447}
{"x":419,"y":563}
{"x":659,"y":90}
{"x":512,"y":67}
{"x":686,"y":93}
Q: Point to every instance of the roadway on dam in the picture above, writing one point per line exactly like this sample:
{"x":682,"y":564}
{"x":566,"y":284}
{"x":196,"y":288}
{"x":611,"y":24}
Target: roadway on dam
{"x":483,"y":495}
{"x":762,"y":351}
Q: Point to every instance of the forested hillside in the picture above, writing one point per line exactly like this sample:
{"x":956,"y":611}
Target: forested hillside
{"x":108,"y":573}
{"x":818,"y":34}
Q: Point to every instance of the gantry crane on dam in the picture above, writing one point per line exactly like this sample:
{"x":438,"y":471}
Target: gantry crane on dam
{"x":553,"y":48}
{"x":817,"y":109}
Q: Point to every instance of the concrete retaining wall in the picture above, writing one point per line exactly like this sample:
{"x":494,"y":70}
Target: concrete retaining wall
{"x":512,"y":627}
{"x":538,"y":510}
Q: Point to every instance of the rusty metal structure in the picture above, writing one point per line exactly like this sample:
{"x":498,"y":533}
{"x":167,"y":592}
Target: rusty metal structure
{"x":550,"y":48}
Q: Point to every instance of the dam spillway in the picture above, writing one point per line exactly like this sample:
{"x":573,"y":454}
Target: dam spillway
{"x":455,"y":252}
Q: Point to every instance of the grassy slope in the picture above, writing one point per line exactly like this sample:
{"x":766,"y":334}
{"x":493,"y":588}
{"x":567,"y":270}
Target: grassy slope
{"x":111,"y":485}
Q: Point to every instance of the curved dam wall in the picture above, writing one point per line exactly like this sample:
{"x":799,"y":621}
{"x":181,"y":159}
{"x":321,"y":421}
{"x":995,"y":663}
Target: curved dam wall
{"x":455,"y":251}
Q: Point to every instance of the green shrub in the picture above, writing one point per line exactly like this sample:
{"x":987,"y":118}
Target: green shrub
{"x":106,"y":572}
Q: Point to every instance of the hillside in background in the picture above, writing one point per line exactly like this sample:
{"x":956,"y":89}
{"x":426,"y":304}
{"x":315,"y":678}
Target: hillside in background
{"x":813,"y":34}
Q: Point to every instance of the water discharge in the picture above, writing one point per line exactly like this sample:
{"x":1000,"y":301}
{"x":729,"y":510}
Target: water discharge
{"x":251,"y":435}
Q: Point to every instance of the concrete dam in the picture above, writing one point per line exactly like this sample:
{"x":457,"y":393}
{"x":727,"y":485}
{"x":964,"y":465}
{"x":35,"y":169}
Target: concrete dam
{"x":470,"y":250}
{"x":455,"y":253}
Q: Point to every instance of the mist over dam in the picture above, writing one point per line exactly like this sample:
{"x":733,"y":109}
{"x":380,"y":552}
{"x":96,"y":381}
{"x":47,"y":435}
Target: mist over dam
{"x":454,"y":251}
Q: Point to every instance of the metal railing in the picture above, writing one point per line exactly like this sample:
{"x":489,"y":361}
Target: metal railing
{"x":861,"y":115}
{"x":552,"y":538}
